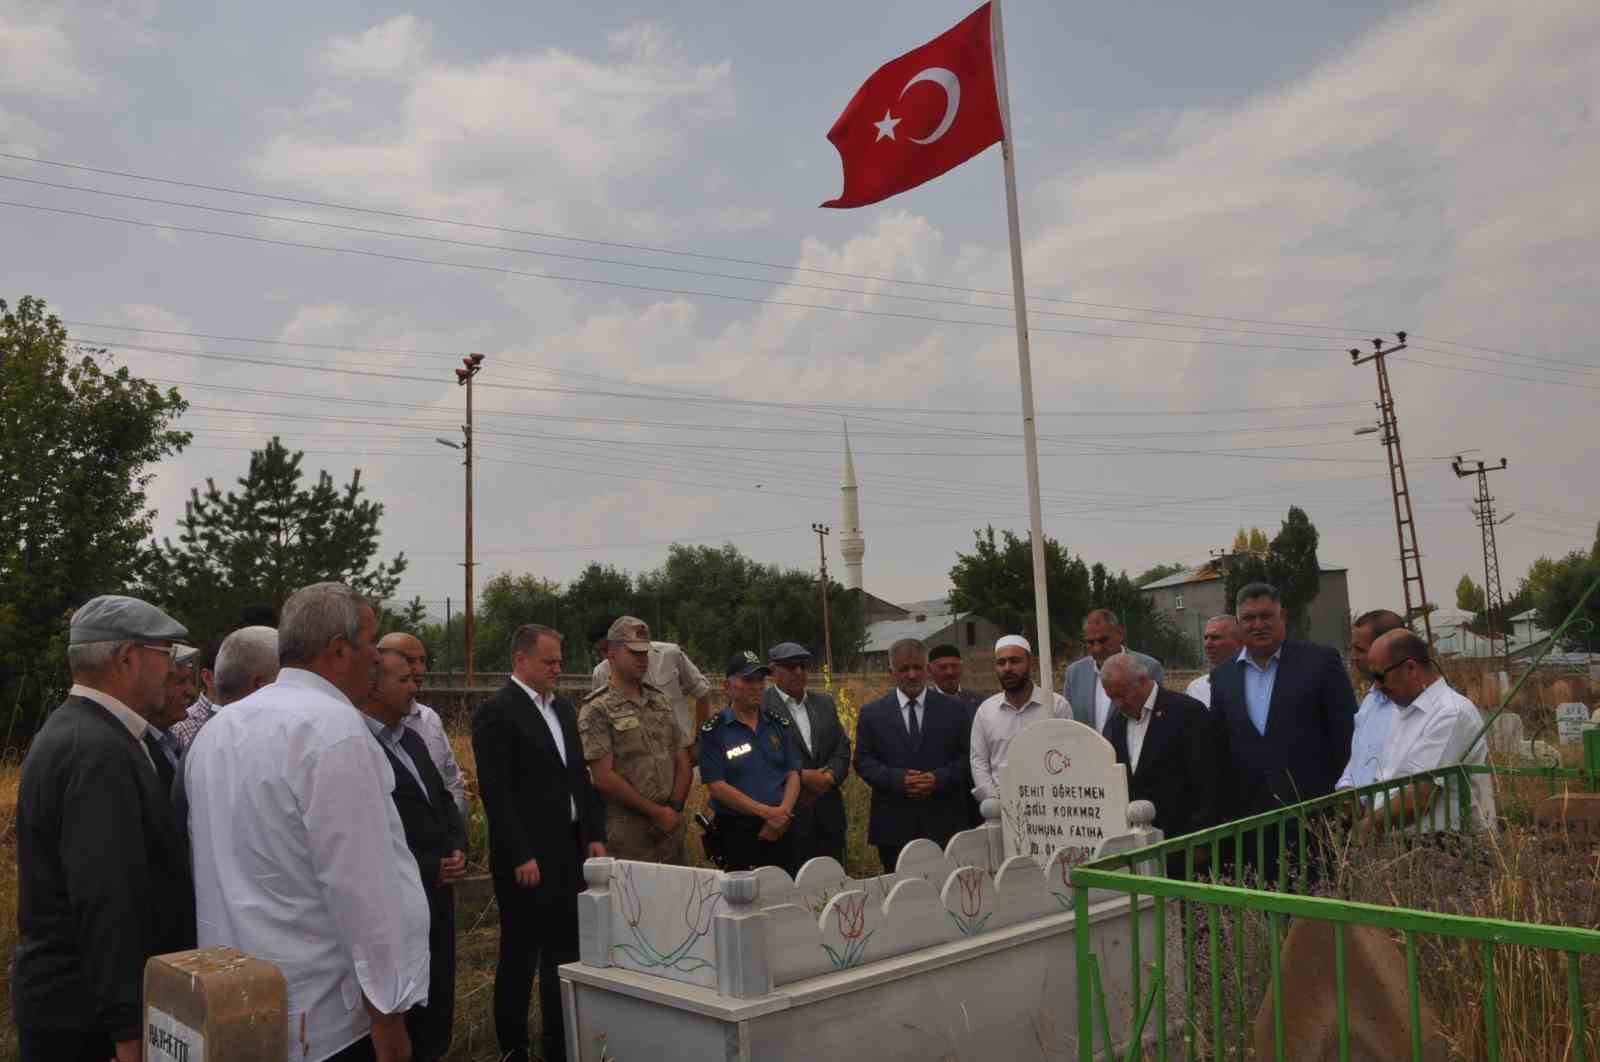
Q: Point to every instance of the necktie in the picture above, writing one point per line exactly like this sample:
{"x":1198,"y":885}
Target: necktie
{"x":913,"y":728}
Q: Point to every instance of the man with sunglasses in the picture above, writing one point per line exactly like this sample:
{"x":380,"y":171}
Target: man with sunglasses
{"x":102,"y":860}
{"x":1434,"y":727}
{"x":824,"y":749}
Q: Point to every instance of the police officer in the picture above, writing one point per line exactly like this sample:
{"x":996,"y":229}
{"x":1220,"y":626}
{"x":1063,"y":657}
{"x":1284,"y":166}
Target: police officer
{"x":752,"y":770}
{"x":638,"y":757}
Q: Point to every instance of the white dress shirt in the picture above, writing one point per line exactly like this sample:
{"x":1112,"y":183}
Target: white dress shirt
{"x":1137,"y":729}
{"x":993,"y":726}
{"x":427,"y":725}
{"x":1434,"y":731}
{"x":300,"y":858}
{"x":547,"y":712}
{"x":1373,"y":722}
{"x":1102,"y":702}
{"x":802,"y":716}
{"x":1200,"y":689}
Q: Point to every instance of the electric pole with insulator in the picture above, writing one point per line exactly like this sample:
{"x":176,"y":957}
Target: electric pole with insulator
{"x":472,"y":364}
{"x":827,"y":634}
{"x":1405,"y":522}
{"x":1494,"y":600}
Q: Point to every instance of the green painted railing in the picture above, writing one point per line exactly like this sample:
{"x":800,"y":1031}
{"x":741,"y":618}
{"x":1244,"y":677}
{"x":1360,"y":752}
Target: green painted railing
{"x":1303,"y":835}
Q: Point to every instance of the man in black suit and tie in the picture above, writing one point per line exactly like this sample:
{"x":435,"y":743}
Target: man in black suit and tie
{"x":103,"y":878}
{"x":824,"y":747}
{"x":544,"y":820}
{"x":436,"y":837}
{"x":1287,"y":711}
{"x":1169,"y":744}
{"x":911,"y":748}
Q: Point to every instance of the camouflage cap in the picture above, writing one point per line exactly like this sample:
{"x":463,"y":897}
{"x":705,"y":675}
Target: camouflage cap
{"x":631,"y":631}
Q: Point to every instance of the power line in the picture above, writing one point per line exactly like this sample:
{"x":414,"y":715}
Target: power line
{"x":1499,"y":375}
{"x":482,"y":227}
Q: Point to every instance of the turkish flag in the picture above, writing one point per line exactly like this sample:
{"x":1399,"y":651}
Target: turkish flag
{"x":919,"y":115}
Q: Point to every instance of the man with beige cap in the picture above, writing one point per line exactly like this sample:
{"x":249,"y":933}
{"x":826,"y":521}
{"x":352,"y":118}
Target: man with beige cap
{"x":637,"y":751}
{"x":102,"y":860}
{"x":670,"y":670}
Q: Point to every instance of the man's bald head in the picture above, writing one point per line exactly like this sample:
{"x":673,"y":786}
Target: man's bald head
{"x":410,"y":647}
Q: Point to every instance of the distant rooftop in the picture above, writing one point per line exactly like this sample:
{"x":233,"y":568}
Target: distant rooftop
{"x":1205,"y":574}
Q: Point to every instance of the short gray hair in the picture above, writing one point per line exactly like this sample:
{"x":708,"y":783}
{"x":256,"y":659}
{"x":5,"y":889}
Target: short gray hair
{"x":247,"y":654}
{"x":906,"y":647}
{"x":1253,"y":590}
{"x":1128,"y":664}
{"x":1104,"y":615}
{"x":91,"y":658}
{"x":314,"y":616}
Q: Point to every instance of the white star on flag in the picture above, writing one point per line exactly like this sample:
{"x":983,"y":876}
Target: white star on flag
{"x":886,"y":127}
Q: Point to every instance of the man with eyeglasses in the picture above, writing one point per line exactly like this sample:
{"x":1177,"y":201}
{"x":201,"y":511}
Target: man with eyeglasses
{"x":102,"y":859}
{"x":1376,"y":715}
{"x":1434,"y":727}
{"x":823,"y":746}
{"x":424,"y":721}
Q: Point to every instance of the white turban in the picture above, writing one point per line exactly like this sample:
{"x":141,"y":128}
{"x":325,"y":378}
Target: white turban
{"x":1014,"y":639}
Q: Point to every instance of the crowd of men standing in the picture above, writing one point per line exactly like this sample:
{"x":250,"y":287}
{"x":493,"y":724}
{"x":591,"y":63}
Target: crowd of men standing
{"x":231,"y":796}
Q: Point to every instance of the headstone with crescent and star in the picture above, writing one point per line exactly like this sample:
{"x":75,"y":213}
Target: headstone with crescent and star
{"x":1061,"y":788}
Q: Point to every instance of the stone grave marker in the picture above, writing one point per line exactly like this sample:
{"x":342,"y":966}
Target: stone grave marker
{"x":1061,"y":788}
{"x":1505,"y":735}
{"x":214,"y":1003}
{"x":1570,"y":718}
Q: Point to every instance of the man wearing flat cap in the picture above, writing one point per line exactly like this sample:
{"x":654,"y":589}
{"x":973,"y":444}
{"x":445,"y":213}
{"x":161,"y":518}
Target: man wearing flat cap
{"x":103,"y":862}
{"x":669,"y":670}
{"x":824,"y":751}
{"x":638,"y":753}
{"x":751,"y":768}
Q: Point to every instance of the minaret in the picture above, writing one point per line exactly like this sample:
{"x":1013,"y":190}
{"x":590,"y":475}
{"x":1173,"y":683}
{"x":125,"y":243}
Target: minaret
{"x":851,"y":542}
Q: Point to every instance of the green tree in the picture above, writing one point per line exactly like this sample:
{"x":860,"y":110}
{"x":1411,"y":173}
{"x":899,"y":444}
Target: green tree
{"x":1469,"y":595}
{"x":77,"y":439}
{"x":506,"y":603}
{"x":1569,"y":578}
{"x":1289,"y":563}
{"x":268,"y":539}
{"x":1160,"y":571}
{"x":995,"y":580}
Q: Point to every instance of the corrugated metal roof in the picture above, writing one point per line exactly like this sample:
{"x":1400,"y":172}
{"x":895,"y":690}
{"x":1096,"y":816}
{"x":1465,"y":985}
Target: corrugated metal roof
{"x":884,"y":633}
{"x":1205,"y":575}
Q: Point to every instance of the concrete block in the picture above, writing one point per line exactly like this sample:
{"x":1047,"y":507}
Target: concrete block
{"x":215,"y":1003}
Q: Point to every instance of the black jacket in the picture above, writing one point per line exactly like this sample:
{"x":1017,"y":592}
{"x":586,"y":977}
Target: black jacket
{"x":1179,"y":764}
{"x":432,"y":822}
{"x":884,"y":754}
{"x":1309,"y":722}
{"x":830,"y":748}
{"x":103,"y":879}
{"x":528,"y":793}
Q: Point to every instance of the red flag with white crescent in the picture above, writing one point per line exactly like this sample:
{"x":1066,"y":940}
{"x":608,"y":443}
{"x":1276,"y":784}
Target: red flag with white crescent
{"x":920,"y":115}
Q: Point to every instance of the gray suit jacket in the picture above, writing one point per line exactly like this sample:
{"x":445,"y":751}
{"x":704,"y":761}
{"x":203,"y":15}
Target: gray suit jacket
{"x":1082,"y":679}
{"x":830,"y":747}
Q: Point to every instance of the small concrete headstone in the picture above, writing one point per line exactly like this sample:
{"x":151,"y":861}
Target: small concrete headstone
{"x":1061,"y":788}
{"x":1505,"y":735}
{"x":1375,"y":990}
{"x":214,"y":1003}
{"x":1538,"y":753}
{"x":1570,"y":718}
{"x":1578,"y":814}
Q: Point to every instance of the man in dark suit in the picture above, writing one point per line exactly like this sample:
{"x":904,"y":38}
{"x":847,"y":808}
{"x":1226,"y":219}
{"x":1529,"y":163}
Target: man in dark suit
{"x":824,"y":747}
{"x":436,"y":837}
{"x":911,"y":748}
{"x":103,"y":878}
{"x":544,"y":820}
{"x":1287,"y":712}
{"x":1168,"y":742}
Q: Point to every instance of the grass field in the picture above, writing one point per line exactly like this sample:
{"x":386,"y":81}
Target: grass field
{"x":1516,"y":893}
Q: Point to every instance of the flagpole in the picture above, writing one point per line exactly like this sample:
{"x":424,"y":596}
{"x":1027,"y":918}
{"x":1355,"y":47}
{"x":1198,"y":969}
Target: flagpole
{"x":1030,"y":441}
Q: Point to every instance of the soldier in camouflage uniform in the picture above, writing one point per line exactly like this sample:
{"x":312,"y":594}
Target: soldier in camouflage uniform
{"x":638,"y":756}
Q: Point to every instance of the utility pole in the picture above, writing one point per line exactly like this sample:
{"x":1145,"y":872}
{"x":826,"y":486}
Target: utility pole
{"x":1405,"y":523}
{"x":1483,"y":511}
{"x":827,"y":634}
{"x":473,"y":363}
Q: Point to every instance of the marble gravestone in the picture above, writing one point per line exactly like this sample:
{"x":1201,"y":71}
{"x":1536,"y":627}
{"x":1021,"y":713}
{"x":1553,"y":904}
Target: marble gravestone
{"x":1061,"y":788}
{"x":1570,"y":718}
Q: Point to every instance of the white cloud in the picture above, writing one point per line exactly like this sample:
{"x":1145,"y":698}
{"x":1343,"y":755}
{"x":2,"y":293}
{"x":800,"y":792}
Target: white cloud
{"x":38,"y":57}
{"x":396,"y":46}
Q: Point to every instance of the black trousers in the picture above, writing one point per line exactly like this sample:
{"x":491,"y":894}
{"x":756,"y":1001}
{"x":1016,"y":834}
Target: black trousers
{"x":889,"y":856}
{"x":64,"y":1045}
{"x":815,"y":835}
{"x":742,"y":849}
{"x":430,"y":1024}
{"x":537,"y":933}
{"x":360,"y":1051}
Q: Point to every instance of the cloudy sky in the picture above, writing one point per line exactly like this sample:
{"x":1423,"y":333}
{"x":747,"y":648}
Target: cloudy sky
{"x":616,"y":203}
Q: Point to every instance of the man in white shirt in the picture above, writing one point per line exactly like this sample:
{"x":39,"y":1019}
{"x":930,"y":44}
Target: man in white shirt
{"x":1221,"y":643}
{"x":1018,"y":703}
{"x":300,"y":857}
{"x":1377,"y":713}
{"x":1434,"y":727}
{"x":425,"y":722}
{"x":1102,"y":640}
